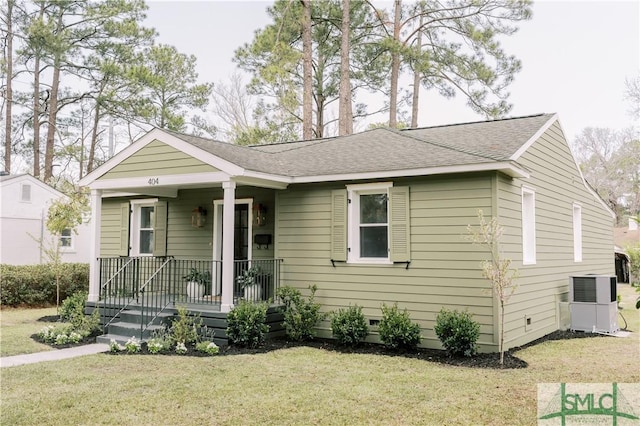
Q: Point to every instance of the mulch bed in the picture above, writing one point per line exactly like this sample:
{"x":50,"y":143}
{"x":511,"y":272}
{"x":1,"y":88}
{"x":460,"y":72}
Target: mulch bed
{"x":491,"y":360}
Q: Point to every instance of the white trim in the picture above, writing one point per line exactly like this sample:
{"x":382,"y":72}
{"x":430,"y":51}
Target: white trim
{"x":505,"y":167}
{"x":94,"y":248}
{"x":263,"y":180}
{"x":353,"y":222}
{"x":173,"y":141}
{"x":217,"y":227}
{"x":27,"y":177}
{"x":577,"y":232}
{"x":157,"y":192}
{"x":71,"y":248}
{"x":537,"y":136}
{"x":228,"y":210}
{"x":534,"y":138}
{"x":528,"y":226}
{"x":134,"y":226}
{"x":155,"y":181}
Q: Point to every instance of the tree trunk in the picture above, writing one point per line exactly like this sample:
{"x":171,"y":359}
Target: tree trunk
{"x":9,"y":94}
{"x":94,"y":139}
{"x":395,"y":67}
{"x":345,"y":113}
{"x":501,"y":332}
{"x":307,"y":107}
{"x":416,"y":98}
{"x":319,"y":96}
{"x":417,"y":77}
{"x":51,"y":123}
{"x":36,"y":116}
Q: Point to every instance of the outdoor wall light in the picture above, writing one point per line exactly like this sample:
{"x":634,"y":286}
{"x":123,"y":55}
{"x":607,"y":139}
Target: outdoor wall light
{"x":260,"y":214}
{"x":198,"y":217}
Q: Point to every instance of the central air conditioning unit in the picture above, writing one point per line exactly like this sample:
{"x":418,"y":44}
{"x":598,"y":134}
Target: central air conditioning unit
{"x":593,"y":303}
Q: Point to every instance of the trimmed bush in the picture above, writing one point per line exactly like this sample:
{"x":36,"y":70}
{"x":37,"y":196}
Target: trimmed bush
{"x":300,"y":316}
{"x":35,"y":285}
{"x":246,"y":324}
{"x":73,"y":306}
{"x":349,"y":327}
{"x":457,"y":332}
{"x":396,"y":329}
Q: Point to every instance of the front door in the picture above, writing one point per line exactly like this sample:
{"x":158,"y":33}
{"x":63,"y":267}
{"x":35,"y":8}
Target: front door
{"x":241,"y":238}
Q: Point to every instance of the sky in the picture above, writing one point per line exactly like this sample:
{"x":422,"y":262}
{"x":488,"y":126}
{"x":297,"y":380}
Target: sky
{"x":575,"y":56}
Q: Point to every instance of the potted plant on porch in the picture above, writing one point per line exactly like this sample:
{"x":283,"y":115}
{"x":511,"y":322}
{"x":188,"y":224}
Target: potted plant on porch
{"x":197,"y":283}
{"x":250,"y":284}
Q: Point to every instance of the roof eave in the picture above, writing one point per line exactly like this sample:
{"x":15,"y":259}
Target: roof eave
{"x":224,"y":166}
{"x":508,"y":168}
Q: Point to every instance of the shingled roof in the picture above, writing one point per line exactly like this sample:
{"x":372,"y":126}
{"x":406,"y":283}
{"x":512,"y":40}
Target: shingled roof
{"x":382,"y":149}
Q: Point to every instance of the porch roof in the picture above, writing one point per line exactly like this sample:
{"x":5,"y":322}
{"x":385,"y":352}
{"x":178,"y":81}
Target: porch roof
{"x":377,"y":153}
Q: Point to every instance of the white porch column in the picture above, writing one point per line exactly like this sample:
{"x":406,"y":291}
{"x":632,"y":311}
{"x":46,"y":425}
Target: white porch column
{"x":94,"y":249}
{"x":228,"y":211}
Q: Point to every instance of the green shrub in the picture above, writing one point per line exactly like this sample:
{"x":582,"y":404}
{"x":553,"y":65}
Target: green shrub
{"x":184,"y":327}
{"x":396,"y":329}
{"x":349,"y":326}
{"x":82,"y":330}
{"x":207,"y":347}
{"x":35,"y":285}
{"x":634,"y":264}
{"x":457,"y":332}
{"x":246,"y":324}
{"x":73,"y":306}
{"x":300,"y":316}
{"x":156,"y":345}
{"x":133,"y":345}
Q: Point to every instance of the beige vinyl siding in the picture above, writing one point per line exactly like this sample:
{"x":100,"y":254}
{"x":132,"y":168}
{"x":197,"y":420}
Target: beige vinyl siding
{"x":558,"y":185}
{"x":158,"y":159}
{"x":444,"y":268}
{"x":183,"y":240}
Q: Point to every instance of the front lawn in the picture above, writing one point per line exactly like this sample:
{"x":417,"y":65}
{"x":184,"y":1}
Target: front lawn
{"x":305,"y":385}
{"x":16,"y":325}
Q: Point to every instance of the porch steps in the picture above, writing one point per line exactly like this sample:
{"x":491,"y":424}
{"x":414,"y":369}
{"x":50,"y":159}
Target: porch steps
{"x":128,"y":325}
{"x":215,"y":321}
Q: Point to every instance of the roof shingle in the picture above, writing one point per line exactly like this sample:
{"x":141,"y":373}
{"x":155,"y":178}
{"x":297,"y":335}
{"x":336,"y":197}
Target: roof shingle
{"x":383,"y":149}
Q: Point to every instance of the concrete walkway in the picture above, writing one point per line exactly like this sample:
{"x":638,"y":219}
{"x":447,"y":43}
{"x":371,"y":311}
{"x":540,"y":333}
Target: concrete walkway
{"x":54,"y":355}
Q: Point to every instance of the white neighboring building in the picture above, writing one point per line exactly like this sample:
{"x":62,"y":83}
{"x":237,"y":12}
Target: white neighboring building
{"x":24,"y":202}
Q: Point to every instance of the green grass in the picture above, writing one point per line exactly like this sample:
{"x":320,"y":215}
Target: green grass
{"x":306,"y":386}
{"x":16,"y":327}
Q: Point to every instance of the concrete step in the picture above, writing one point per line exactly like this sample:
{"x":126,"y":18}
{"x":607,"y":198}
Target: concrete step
{"x":107,"y":338}
{"x":129,"y":329}
{"x":134,"y":316}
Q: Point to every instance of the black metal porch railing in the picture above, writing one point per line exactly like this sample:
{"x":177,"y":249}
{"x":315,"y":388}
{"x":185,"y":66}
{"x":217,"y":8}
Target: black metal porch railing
{"x":257,"y":279}
{"x":152,"y":284}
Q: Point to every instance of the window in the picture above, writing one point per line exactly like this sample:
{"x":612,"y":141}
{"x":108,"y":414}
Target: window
{"x":370,"y":224}
{"x":368,"y":216}
{"x":142,"y":229}
{"x":66,"y":239}
{"x":577,"y":233}
{"x":25,"y":192}
{"x":528,"y":226}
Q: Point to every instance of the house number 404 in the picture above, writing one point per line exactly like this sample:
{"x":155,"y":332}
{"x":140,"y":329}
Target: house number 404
{"x":153,"y":181}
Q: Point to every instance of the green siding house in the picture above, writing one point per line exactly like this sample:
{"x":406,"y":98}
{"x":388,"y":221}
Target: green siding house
{"x":371,"y":218}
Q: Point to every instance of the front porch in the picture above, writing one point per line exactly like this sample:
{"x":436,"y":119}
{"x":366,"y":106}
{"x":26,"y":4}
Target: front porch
{"x":137,"y":294}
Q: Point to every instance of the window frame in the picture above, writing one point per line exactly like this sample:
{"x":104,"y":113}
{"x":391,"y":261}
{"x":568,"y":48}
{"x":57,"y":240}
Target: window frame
{"x":528,"y":226}
{"x":69,"y":237}
{"x":577,"y":232}
{"x":135,"y":229}
{"x":353,"y":222}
